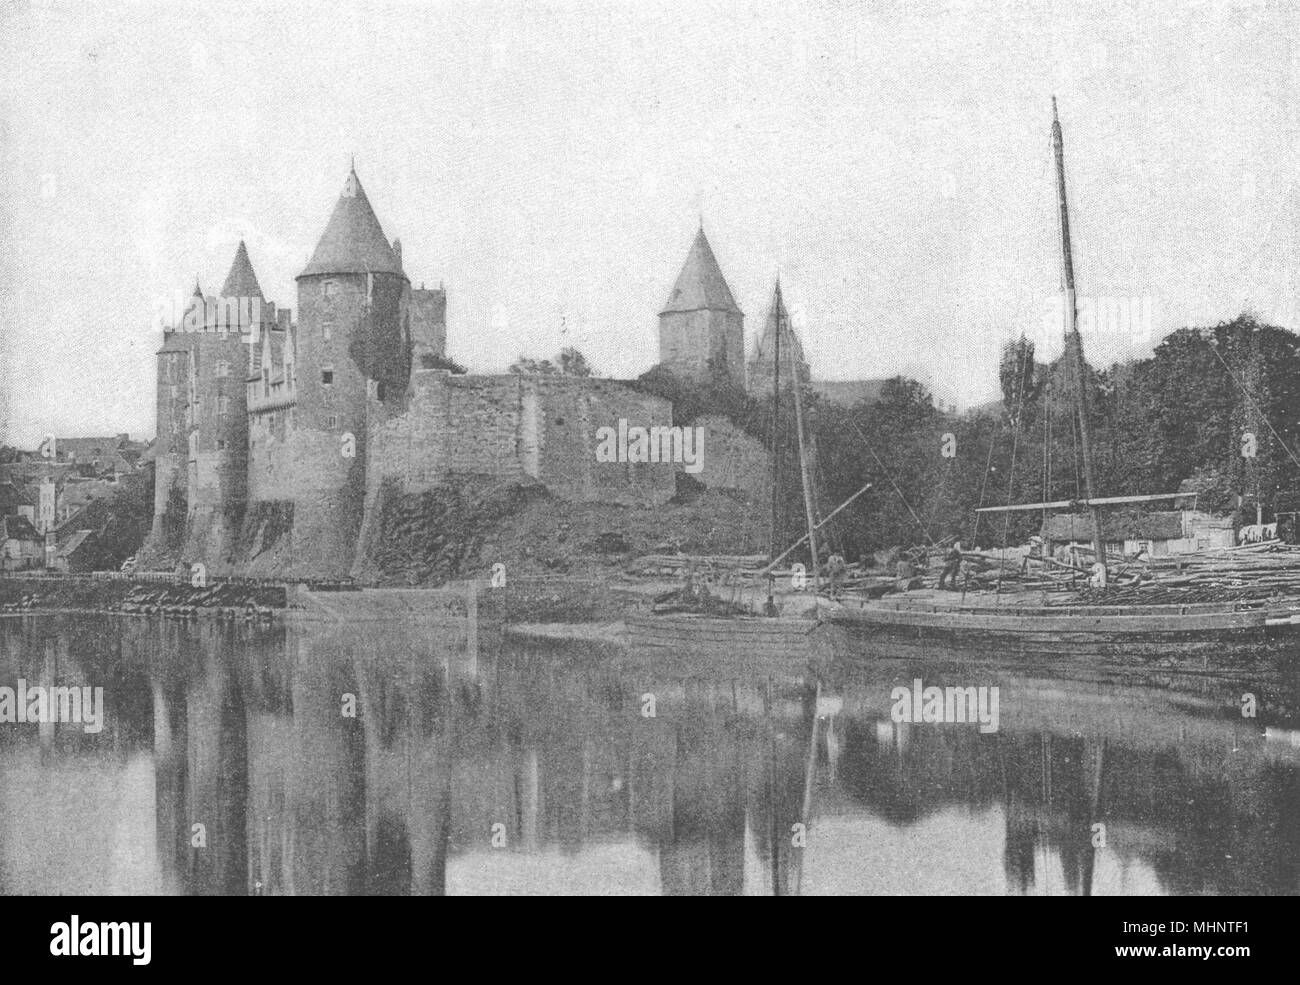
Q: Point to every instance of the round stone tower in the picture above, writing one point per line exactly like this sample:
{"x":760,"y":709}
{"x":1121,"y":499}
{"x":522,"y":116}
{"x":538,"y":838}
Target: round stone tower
{"x":352,"y":300}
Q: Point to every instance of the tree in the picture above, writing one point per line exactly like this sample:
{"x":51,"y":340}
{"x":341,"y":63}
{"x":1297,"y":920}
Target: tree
{"x":573,"y":363}
{"x":1019,"y":377}
{"x":569,"y":362}
{"x":430,"y":361}
{"x":523,"y":366}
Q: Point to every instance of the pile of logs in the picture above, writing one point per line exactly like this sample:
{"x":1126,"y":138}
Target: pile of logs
{"x":1247,"y":571}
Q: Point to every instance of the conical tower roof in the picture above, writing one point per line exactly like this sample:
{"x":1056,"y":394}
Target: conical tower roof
{"x":762,"y":365}
{"x":241,"y":282}
{"x":353,"y":241}
{"x":778,"y":319}
{"x":700,"y":285}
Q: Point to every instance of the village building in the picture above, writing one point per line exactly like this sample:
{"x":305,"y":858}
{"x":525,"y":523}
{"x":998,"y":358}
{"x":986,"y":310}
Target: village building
{"x":21,"y":545}
{"x":112,"y":454}
{"x":1156,"y":534}
{"x":79,"y":553}
{"x":17,"y":500}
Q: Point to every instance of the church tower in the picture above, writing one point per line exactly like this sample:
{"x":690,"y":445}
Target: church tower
{"x":701,"y":328}
{"x":762,"y":365}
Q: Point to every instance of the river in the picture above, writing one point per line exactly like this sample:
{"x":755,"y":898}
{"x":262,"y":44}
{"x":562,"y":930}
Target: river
{"x":385,"y":758}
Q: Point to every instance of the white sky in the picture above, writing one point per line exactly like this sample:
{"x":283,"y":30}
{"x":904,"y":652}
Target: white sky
{"x":549,"y":165}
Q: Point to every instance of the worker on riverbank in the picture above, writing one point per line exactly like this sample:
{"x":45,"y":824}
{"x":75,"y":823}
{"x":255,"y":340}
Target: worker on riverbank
{"x":837,"y":573}
{"x":951,"y":565}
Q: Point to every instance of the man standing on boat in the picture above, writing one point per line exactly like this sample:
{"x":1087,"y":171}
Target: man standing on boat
{"x":951,"y":565}
{"x":838,"y":571}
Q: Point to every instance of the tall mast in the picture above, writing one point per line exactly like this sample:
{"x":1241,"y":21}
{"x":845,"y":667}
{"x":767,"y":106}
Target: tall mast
{"x":1072,"y":340}
{"x":776,"y":430}
{"x":796,"y":386}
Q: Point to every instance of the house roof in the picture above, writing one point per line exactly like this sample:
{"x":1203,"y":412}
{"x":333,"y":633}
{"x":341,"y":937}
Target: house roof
{"x":700,"y":285}
{"x":353,"y":241}
{"x":108,"y":451}
{"x":18,"y":528}
{"x":1162,"y":525}
{"x":74,"y":543}
{"x":12,"y":496}
{"x":241,"y":282}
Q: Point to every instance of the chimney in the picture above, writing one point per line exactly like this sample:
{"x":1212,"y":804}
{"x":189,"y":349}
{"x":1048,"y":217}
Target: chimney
{"x":397,"y":249}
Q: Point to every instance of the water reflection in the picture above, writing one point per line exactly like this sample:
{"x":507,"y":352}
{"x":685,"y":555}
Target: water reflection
{"x":381,"y":759}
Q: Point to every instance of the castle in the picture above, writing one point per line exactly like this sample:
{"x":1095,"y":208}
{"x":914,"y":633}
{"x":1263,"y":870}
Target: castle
{"x":278,"y":439}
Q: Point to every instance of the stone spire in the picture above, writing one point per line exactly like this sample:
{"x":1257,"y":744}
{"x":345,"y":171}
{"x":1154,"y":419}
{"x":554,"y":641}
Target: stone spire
{"x":241,"y":282}
{"x":353,"y":241}
{"x":761,"y":365}
{"x":700,"y":286}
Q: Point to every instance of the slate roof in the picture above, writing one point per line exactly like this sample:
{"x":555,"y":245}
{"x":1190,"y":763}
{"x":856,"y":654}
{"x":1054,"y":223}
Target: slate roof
{"x":74,"y":543}
{"x":700,"y":285}
{"x":766,"y":347}
{"x":241,"y":282}
{"x":353,"y":241}
{"x":18,"y":528}
{"x":12,"y":496}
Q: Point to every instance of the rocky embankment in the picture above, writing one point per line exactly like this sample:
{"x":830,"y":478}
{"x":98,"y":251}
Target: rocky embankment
{"x":91,"y":595}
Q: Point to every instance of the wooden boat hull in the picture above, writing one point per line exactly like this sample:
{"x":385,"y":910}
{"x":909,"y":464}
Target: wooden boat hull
{"x":1122,"y":631}
{"x":759,"y":636}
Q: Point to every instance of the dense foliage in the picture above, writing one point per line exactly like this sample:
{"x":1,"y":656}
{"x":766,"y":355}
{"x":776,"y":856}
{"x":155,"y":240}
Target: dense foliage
{"x":1178,"y":416}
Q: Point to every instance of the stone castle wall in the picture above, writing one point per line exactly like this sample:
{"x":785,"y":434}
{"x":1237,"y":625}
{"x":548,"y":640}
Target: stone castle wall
{"x":514,"y":429}
{"x":734,"y":461}
{"x":171,"y":443}
{"x":217,"y":448}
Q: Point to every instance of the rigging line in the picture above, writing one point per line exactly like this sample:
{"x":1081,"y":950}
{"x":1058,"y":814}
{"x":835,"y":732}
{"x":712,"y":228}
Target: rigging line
{"x":890,"y":477}
{"x":988,"y":461}
{"x":833,"y":537}
{"x":938,"y":497}
{"x":1215,"y":349}
{"x":1011,"y":477}
{"x":1047,"y":446}
{"x":1074,"y":437}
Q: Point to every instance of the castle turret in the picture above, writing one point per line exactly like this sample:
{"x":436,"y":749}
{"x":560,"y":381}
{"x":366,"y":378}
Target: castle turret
{"x":241,"y":282}
{"x":762,"y":364}
{"x":701,"y":328}
{"x":171,"y":441}
{"x":218,"y":417}
{"x":353,"y":335}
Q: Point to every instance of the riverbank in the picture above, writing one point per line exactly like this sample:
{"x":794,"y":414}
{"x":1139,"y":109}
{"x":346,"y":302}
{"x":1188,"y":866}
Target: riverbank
{"x":547,"y":605}
{"x":18,"y":594}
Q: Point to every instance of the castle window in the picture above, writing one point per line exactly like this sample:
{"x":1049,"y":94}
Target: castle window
{"x":175,"y":389}
{"x":221,"y":445}
{"x":223,"y":405}
{"x":331,"y":422}
{"x":223,"y":367}
{"x":330,"y":288}
{"x":327,"y":328}
{"x":327,"y":376}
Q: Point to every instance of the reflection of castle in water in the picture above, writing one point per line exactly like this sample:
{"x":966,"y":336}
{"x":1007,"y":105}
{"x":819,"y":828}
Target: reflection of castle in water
{"x":554,"y":758}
